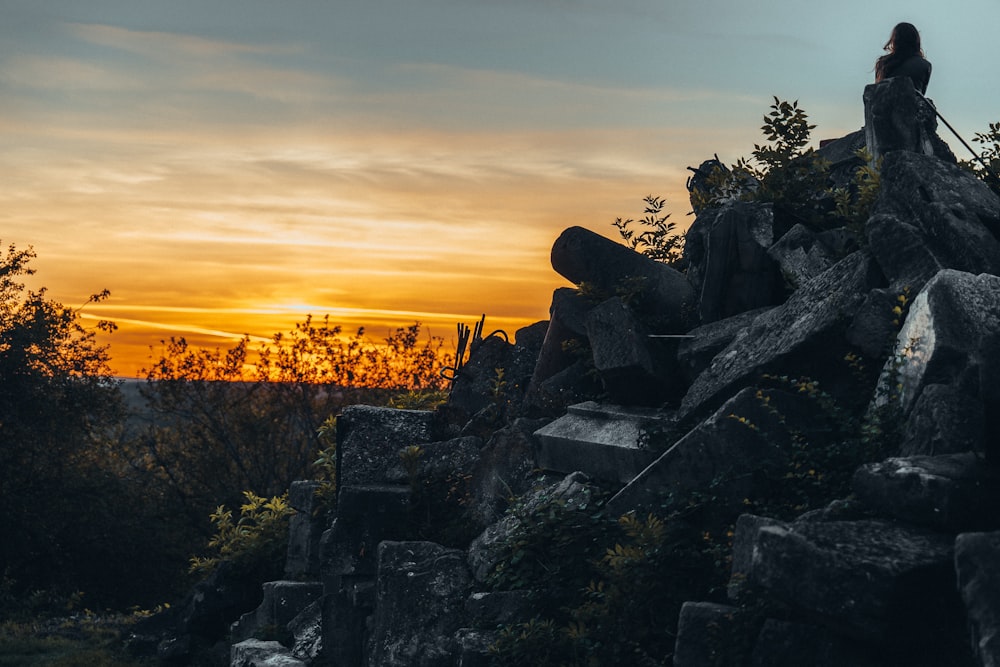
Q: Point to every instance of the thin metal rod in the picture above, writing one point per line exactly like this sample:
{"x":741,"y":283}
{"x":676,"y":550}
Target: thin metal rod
{"x":967,"y":146}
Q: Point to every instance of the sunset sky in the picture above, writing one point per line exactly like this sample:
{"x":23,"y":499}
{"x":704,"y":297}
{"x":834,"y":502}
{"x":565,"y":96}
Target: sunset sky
{"x":229,"y":166}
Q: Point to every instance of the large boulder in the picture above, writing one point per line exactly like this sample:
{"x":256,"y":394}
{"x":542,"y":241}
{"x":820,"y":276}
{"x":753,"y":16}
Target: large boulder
{"x":951,"y":493}
{"x":728,"y":263}
{"x":420,"y":605}
{"x":633,"y":369}
{"x":283,"y":601}
{"x":369,"y":439}
{"x":977,"y":564}
{"x":875,"y":581}
{"x":305,"y":528}
{"x":608,"y":442}
{"x":931,"y":215}
{"x":944,"y":420}
{"x":666,"y":297}
{"x":804,"y":336}
{"x":898,"y":118}
{"x":699,"y":347}
{"x":706,"y":635}
{"x":945,"y":337}
{"x":749,"y":433}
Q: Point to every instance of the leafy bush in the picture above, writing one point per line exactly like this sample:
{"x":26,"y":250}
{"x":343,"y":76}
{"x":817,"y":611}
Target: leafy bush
{"x":254,"y":542}
{"x":987,"y":164}
{"x":658,"y":239}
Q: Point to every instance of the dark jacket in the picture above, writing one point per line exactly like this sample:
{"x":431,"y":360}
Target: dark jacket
{"x":915,"y":67}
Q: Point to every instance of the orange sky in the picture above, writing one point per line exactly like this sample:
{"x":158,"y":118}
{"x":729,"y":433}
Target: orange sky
{"x":227,"y":172}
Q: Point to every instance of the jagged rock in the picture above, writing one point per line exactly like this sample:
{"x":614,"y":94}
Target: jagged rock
{"x":603,"y":441}
{"x":842,"y":155}
{"x":800,"y":255}
{"x":471,"y":391}
{"x":344,"y":619}
{"x":803,"y":336}
{"x":977,"y":565}
{"x":283,"y":601}
{"x":474,"y":647}
{"x":695,"y":354}
{"x":873,"y":329}
{"x":550,"y":398}
{"x":366,"y":515}
{"x":495,"y":608}
{"x":567,"y":322}
{"x":930,"y":215}
{"x":872,"y":580}
{"x":952,"y":493}
{"x":581,"y":256}
{"x":941,"y":341}
{"x":304,"y":531}
{"x":989,"y":393}
{"x":898,"y":118}
{"x":944,"y":420}
{"x":706,"y":636}
{"x":492,"y":545}
{"x":307,"y":632}
{"x":256,"y":653}
{"x":744,"y":536}
{"x":748,"y":433}
{"x":787,"y":644}
{"x":625,"y":357}
{"x":728,"y":263}
{"x":503,"y":471}
{"x":369,"y":439}
{"x":420,"y":595}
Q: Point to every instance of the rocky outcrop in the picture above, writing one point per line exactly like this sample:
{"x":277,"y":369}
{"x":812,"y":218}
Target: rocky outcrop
{"x":786,"y":344}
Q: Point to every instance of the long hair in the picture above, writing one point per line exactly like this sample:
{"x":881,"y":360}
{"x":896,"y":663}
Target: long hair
{"x":903,"y":43}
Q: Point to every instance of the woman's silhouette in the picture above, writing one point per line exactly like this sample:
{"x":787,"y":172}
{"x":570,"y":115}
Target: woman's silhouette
{"x":904,"y":57}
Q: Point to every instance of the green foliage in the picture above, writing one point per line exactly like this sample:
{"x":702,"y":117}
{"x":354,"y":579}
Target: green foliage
{"x":326,"y":466}
{"x":853,"y":204}
{"x":607,"y":591}
{"x":783,"y":171}
{"x":83,"y":639}
{"x":658,"y":239}
{"x":989,"y":157}
{"x":254,"y":542}
{"x":73,"y":519}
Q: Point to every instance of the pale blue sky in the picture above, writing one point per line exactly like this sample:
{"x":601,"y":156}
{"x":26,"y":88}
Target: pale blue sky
{"x":378,"y":156}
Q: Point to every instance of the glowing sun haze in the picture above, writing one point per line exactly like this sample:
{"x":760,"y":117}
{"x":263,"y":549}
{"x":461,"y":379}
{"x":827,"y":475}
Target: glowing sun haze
{"x":230,"y":166}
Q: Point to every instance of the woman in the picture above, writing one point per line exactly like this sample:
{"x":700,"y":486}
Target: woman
{"x":904,"y":58}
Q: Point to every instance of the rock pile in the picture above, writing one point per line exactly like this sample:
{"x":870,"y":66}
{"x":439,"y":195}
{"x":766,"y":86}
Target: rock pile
{"x":906,"y":571}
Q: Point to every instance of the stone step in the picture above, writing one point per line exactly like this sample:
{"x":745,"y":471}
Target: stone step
{"x":604,"y":441}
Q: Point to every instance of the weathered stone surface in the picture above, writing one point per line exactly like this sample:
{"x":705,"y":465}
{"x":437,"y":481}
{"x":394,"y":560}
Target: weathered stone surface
{"x":283,"y":601}
{"x":491,"y":546}
{"x":603,"y":441}
{"x":307,"y":632}
{"x":369,"y":439}
{"x":898,"y":118}
{"x":470,"y":391}
{"x":695,"y":354}
{"x":786,"y":644}
{"x":873,"y":329}
{"x":495,"y":608}
{"x":366,"y":516}
{"x":744,"y":537}
{"x":728,"y":264}
{"x":953,"y":493}
{"x":504,"y":469}
{"x":581,"y":256}
{"x":304,"y":531}
{"x":256,"y":653}
{"x":623,"y":355}
{"x":803,"y":336}
{"x":873,"y":580}
{"x":567,"y":321}
{"x":941,"y":338}
{"x":344,"y":619}
{"x":801,"y":255}
{"x":420,"y":596}
{"x":574,"y":384}
{"x":977,"y":565}
{"x":746,"y":434}
{"x":944,"y":420}
{"x":931,"y":215}
{"x":989,"y":393}
{"x":705,"y":636}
